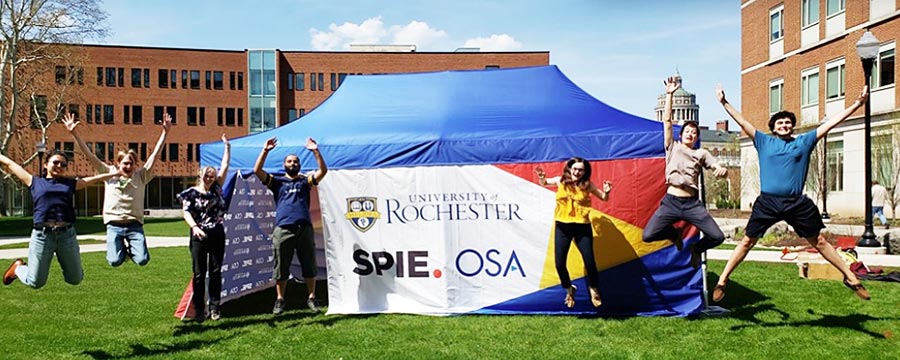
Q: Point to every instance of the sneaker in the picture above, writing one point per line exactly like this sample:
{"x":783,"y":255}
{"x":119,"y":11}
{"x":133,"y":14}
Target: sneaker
{"x":10,"y":275}
{"x":311,"y":303}
{"x":279,"y":307}
{"x":214,"y":315}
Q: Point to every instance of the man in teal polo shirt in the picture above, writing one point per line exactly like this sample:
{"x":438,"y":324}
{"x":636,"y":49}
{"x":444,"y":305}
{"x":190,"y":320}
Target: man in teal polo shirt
{"x":783,"y":164}
{"x":293,"y":225}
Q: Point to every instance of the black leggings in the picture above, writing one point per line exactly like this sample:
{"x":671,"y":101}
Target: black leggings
{"x":207,"y":254}
{"x":584,"y":240}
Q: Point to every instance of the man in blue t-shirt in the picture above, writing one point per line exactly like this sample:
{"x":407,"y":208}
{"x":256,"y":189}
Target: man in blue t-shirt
{"x":293,"y":225}
{"x":783,"y":164}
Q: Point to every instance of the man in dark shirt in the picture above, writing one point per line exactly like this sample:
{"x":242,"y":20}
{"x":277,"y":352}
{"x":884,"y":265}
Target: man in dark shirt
{"x":293,"y":225}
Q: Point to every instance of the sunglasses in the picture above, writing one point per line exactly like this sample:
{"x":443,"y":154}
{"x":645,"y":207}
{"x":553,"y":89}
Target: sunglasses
{"x":59,"y":163}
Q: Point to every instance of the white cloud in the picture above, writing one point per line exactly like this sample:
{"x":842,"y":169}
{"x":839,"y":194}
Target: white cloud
{"x":373,"y":31}
{"x":502,"y":42}
{"x":341,"y":36}
{"x":416,"y":33}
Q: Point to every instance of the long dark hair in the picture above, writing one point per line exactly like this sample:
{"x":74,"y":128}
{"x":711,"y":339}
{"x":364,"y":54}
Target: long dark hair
{"x":585,"y":179}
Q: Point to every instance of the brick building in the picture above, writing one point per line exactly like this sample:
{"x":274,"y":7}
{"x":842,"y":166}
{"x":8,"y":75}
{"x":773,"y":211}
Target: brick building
{"x":800,"y":56}
{"x":123,"y":91}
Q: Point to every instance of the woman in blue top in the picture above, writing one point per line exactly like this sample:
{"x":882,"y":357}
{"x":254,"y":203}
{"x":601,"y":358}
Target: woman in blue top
{"x":204,"y":211}
{"x":54,"y":220}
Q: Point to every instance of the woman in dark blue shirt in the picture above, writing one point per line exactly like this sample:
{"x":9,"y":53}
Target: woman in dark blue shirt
{"x":54,"y":220}
{"x":204,"y":211}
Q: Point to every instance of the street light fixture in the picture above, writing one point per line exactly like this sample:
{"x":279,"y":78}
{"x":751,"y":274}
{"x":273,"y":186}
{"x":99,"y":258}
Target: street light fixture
{"x":41,"y":149}
{"x":867,"y":49}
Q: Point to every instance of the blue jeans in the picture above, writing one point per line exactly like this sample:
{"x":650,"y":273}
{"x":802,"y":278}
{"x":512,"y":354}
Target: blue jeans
{"x":40,"y":252}
{"x":879,"y":212}
{"x":115,"y":244}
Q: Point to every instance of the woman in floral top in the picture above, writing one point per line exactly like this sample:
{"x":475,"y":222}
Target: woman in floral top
{"x":204,"y":210}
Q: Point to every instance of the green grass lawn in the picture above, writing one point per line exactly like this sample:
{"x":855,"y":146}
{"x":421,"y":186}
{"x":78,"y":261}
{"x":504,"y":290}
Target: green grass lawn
{"x":21,"y":226}
{"x":126,"y":312}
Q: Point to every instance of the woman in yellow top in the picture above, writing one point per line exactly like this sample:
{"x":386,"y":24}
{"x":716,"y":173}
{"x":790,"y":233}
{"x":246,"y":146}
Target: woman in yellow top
{"x":572,"y":216}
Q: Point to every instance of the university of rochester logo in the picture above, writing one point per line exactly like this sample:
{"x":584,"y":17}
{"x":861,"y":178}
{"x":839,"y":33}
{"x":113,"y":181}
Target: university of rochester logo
{"x":362,"y":212}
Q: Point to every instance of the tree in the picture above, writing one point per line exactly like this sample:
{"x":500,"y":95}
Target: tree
{"x":39,"y":59}
{"x":886,"y":160}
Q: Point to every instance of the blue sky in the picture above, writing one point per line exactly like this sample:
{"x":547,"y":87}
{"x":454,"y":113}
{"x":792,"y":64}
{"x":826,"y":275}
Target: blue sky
{"x":619,"y":51}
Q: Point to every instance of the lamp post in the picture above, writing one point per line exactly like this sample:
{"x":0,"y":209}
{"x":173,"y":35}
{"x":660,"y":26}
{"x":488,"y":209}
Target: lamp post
{"x":824,"y":176}
{"x":41,"y":149}
{"x":867,"y":49}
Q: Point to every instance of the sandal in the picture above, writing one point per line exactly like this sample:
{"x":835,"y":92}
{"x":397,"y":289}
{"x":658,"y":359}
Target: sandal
{"x":595,"y":297}
{"x":570,"y":297}
{"x":858,"y":288}
{"x":718,"y":293}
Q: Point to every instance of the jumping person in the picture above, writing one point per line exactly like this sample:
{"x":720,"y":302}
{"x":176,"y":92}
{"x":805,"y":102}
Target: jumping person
{"x":293,"y":224}
{"x":54,"y":222}
{"x":572,"y":216}
{"x":783,"y":165}
{"x":683,"y":166}
{"x":204,"y":210}
{"x":123,"y":197}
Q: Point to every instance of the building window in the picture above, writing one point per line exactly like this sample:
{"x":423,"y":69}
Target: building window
{"x":171,"y":111}
{"x":137,"y":114}
{"x":301,"y":79}
{"x":208,"y":79}
{"x":99,"y":76}
{"x":776,"y":89}
{"x":312,"y":82}
{"x":883,"y":71}
{"x":133,"y":147}
{"x":321,"y":81}
{"x":136,"y":78}
{"x":108,"y":114}
{"x":810,"y":14}
{"x":126,"y":115}
{"x":218,"y":80}
{"x":882,"y":158}
{"x":60,"y":75}
{"x":97,"y":114}
{"x":158,"y":112}
{"x":173,"y":78}
{"x":834,"y":6}
{"x":73,"y":108}
{"x":38,"y":111}
{"x":240,"y":122}
{"x":184,"y":79}
{"x":289,"y":82}
{"x":146,"y":78}
{"x":333,"y":81}
{"x":192,"y":116}
{"x":121,"y":77}
{"x":809,"y":87}
{"x":835,"y":157}
{"x":203,"y":116}
{"x":491,"y":67}
{"x":143,"y":151}
{"x":89,"y":113}
{"x":190,"y":152}
{"x":195,"y":79}
{"x":110,"y":76}
{"x":291,"y":115}
{"x":197,"y":152}
{"x":834,"y":80}
{"x":229,"y":117}
{"x":173,"y":152}
{"x":231,"y":80}
{"x":100,"y":150}
{"x":240,"y":80}
{"x":341,"y":78}
{"x":776,"y":23}
{"x":163,"y":78}
{"x":220,"y":116}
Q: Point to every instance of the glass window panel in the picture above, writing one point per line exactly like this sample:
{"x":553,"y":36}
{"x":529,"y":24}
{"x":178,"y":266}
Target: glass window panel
{"x":775,"y":25}
{"x":886,"y":68}
{"x":269,"y":78}
{"x":255,"y":83}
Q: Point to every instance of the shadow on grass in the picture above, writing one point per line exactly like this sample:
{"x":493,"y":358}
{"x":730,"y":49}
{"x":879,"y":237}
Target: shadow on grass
{"x":245,"y":311}
{"x":850,"y":322}
{"x":746,"y":305}
{"x":142,"y":350}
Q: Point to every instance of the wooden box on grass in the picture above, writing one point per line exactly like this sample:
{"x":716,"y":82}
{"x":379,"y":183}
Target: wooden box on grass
{"x":813,"y":266}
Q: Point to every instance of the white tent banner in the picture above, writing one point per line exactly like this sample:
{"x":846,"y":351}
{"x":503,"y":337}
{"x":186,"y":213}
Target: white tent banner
{"x":432,"y":240}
